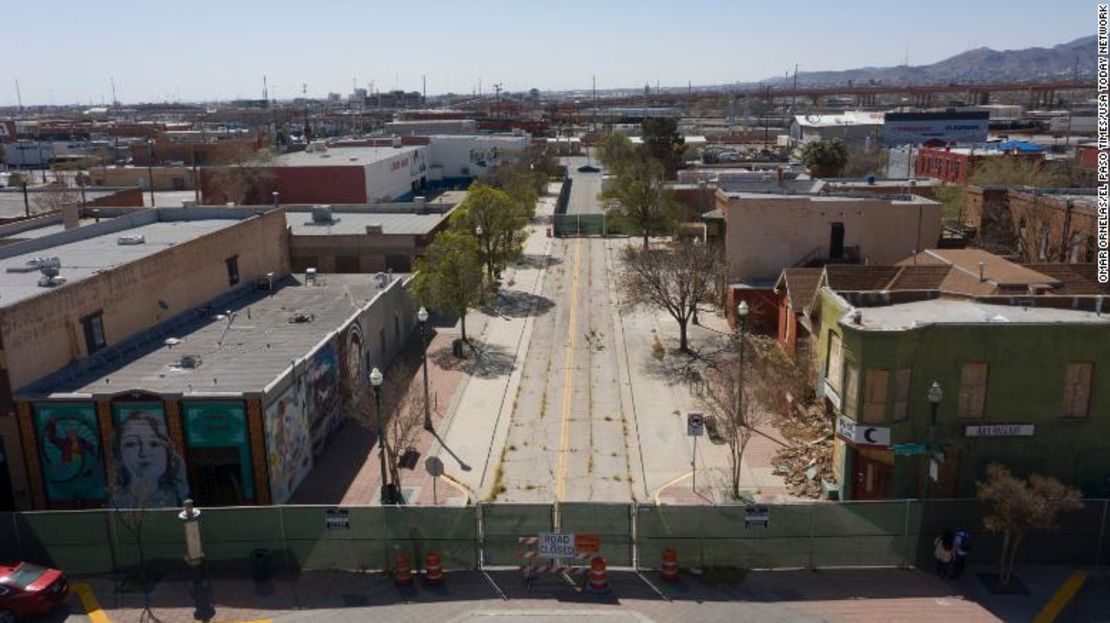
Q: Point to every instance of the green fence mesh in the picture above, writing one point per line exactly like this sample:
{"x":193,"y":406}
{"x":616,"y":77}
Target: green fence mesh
{"x":299,"y":537}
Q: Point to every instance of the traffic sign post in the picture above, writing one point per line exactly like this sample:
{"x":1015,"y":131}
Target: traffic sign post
{"x":695,"y":427}
{"x":435,"y":468}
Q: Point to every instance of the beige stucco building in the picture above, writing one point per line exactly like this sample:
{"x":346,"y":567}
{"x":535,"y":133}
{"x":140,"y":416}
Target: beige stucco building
{"x":765,"y":233}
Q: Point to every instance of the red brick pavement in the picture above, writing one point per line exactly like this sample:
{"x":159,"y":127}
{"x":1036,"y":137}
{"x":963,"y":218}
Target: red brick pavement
{"x":348,"y":473}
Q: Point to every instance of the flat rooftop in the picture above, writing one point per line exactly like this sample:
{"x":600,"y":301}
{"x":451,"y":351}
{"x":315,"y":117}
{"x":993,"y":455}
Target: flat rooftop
{"x":355,"y":223}
{"x":772,"y":195}
{"x":239,"y":353}
{"x":339,"y":156}
{"x":90,"y":249}
{"x":944,"y":311}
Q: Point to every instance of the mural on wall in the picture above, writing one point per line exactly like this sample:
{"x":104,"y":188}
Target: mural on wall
{"x":322,"y":387}
{"x":220,"y":426}
{"x":288,"y":442}
{"x":355,"y":379}
{"x":69,"y":449}
{"x":148,"y":472}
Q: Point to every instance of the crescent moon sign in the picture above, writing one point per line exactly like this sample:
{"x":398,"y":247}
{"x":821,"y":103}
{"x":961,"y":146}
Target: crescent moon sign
{"x":867,"y":432}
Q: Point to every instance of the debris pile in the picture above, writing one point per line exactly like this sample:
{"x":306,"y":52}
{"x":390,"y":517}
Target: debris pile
{"x":806,"y":465}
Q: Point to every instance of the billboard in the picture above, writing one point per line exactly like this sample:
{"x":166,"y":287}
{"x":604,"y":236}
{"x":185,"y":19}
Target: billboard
{"x":949,"y":127}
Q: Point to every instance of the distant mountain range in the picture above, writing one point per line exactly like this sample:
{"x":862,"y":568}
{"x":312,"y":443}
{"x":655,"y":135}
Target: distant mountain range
{"x":978,"y":65}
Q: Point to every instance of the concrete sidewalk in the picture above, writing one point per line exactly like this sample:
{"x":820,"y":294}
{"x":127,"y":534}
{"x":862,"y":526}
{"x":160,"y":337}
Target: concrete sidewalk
{"x":476,"y":428}
{"x":792,"y":595}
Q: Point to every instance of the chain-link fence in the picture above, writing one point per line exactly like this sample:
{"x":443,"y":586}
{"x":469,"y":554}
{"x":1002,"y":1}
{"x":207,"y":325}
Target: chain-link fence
{"x":293,"y":538}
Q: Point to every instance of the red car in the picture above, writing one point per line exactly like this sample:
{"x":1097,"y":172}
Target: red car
{"x":28,"y":590}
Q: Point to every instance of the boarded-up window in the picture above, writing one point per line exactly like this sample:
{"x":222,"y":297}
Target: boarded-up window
{"x":851,"y":390}
{"x":973,"y":390}
{"x":901,"y":394}
{"x":1077,"y":389}
{"x":874,"y":400}
{"x":833,"y":366}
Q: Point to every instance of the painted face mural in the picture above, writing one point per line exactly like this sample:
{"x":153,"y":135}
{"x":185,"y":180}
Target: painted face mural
{"x":149,"y":473}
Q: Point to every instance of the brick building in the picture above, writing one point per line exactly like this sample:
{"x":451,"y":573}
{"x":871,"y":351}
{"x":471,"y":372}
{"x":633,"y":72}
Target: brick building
{"x":957,"y":164}
{"x":1035,"y":224}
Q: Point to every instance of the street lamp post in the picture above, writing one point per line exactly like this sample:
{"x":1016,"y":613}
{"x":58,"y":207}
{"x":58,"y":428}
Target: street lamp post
{"x":376,"y":382}
{"x":422,"y":316}
{"x":935,"y":395}
{"x":194,"y":557}
{"x":741,"y":323}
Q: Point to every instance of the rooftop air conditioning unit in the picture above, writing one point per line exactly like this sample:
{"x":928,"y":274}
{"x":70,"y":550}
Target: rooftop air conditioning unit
{"x":374,"y":229}
{"x":50,"y":276}
{"x":322,"y":214}
{"x":396,"y":142}
{"x":131,"y":239}
{"x":301,"y":318}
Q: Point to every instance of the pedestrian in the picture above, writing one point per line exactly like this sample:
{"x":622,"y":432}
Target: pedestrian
{"x":961,"y":545}
{"x":942,"y":551}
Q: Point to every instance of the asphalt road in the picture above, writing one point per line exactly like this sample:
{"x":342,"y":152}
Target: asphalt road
{"x":584,"y":191}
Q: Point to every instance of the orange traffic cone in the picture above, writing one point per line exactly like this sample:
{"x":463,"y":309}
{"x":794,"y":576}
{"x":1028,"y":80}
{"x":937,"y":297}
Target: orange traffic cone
{"x":669,"y":569}
{"x":433,"y":571}
{"x":597,"y":582}
{"x":402,"y":570}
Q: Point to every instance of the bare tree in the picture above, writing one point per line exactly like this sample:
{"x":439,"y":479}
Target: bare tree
{"x":405,"y":422}
{"x":131,"y":509}
{"x":55,"y":196}
{"x":1019,"y":507}
{"x":246,"y":180}
{"x":674,"y":280}
{"x":743,"y":388}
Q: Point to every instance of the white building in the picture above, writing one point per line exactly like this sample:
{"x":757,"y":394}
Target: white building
{"x":852,"y":126}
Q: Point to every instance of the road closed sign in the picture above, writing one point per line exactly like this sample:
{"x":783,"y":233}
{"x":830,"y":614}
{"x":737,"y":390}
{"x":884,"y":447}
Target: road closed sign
{"x":555,"y":545}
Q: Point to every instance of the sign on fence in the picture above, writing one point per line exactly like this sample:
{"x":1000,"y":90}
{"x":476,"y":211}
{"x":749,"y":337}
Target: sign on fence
{"x":555,"y":545}
{"x":757,"y":516}
{"x":335,"y":518}
{"x":587,"y":543}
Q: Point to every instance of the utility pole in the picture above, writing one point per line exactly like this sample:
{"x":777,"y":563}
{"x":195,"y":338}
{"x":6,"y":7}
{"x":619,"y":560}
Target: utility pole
{"x":424,"y":88}
{"x":794,"y":95}
{"x":18,"y":95}
{"x":1071,"y":104}
{"x":115,"y":99}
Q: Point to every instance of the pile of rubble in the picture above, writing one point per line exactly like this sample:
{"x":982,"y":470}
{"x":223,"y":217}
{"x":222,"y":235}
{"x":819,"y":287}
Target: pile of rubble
{"x":806,"y":465}
{"x":807,"y":469}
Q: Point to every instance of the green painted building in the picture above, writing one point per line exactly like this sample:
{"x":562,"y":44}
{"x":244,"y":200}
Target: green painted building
{"x":1024,"y":385}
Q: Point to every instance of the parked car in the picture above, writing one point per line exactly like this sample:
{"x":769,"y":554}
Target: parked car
{"x":28,"y":590}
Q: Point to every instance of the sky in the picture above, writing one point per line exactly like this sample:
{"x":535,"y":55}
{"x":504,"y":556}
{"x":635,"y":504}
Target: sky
{"x":67,"y":52}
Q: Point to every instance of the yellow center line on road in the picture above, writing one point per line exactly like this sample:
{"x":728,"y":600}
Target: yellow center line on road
{"x":568,"y":377}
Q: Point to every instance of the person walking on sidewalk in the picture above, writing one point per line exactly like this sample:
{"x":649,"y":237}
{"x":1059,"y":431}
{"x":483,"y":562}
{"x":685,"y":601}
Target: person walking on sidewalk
{"x":942,"y":551}
{"x":961,"y":545}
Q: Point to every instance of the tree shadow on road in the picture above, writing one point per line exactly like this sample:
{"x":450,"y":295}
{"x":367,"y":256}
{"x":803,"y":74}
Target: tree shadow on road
{"x":518,"y":304}
{"x":485,"y":361}
{"x":536,"y":260}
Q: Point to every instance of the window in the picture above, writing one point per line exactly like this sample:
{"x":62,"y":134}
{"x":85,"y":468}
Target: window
{"x":1077,"y":389}
{"x":901,"y":394}
{"x":232,"y":270}
{"x":833,"y":365}
{"x":973,"y":390}
{"x":851,"y":390}
{"x":874,"y":400}
{"x":94,"y":332}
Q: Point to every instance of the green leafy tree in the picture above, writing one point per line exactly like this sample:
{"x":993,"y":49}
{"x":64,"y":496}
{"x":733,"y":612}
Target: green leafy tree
{"x":449,"y":276}
{"x":825,"y":158}
{"x":642,"y":199}
{"x":497,"y":222}
{"x":1019,"y":507}
{"x":663,"y":143}
{"x":615,"y":151}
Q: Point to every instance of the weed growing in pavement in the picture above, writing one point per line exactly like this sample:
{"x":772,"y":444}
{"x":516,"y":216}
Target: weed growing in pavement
{"x":616,"y":477}
{"x":608,"y":418}
{"x":512,"y":447}
{"x":498,"y":486}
